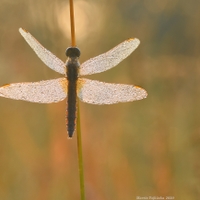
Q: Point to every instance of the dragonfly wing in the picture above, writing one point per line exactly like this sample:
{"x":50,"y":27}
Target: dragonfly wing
{"x":96,"y":92}
{"x":45,"y":55}
{"x":48,"y":91}
{"x":109,"y":59}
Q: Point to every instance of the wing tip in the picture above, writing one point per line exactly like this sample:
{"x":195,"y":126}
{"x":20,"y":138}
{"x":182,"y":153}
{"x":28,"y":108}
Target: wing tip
{"x":22,"y":30}
{"x":135,"y":40}
{"x":143,"y":92}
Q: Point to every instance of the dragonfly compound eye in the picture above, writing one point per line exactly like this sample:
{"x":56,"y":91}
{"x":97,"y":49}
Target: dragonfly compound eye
{"x":72,"y":52}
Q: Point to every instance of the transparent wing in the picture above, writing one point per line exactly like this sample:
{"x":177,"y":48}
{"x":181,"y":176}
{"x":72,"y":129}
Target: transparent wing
{"x":109,"y":59}
{"x":96,"y":92}
{"x":45,"y":55}
{"x":49,"y":91}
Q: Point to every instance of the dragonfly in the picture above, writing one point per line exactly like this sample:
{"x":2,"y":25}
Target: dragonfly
{"x":72,"y":85}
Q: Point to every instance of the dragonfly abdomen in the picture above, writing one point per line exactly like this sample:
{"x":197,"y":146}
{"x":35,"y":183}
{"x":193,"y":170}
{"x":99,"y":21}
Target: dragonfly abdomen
{"x":71,"y":107}
{"x":72,"y":77}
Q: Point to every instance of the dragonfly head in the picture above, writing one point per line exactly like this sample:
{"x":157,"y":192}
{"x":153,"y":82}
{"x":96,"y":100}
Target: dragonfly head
{"x":72,"y":52}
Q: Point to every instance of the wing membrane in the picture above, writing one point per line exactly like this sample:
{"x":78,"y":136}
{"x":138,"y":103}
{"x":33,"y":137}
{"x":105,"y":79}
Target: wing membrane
{"x":109,"y":59}
{"x":49,"y":91}
{"x":45,"y":55}
{"x":96,"y":92}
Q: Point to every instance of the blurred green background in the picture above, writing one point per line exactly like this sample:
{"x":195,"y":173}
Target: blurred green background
{"x":145,"y":148}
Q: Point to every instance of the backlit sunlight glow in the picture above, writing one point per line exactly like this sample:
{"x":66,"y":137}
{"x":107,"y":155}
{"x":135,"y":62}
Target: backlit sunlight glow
{"x":89,"y":18}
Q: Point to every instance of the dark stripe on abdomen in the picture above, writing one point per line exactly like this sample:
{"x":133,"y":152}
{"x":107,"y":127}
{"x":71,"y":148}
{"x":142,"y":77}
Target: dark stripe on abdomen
{"x":71,"y":107}
{"x":72,"y":76}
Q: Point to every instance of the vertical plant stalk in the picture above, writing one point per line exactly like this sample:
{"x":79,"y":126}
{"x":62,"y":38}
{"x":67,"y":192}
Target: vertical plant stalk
{"x":79,"y":143}
{"x":73,"y":38}
{"x":80,"y":157}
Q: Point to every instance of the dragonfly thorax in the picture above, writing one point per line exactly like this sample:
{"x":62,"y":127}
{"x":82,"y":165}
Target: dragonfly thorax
{"x":72,"y":52}
{"x":72,"y":63}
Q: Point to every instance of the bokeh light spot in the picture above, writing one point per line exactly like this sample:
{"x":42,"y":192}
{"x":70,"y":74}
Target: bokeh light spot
{"x":88,"y":19}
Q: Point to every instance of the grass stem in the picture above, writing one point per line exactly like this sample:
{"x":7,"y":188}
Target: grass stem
{"x":80,"y":157}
